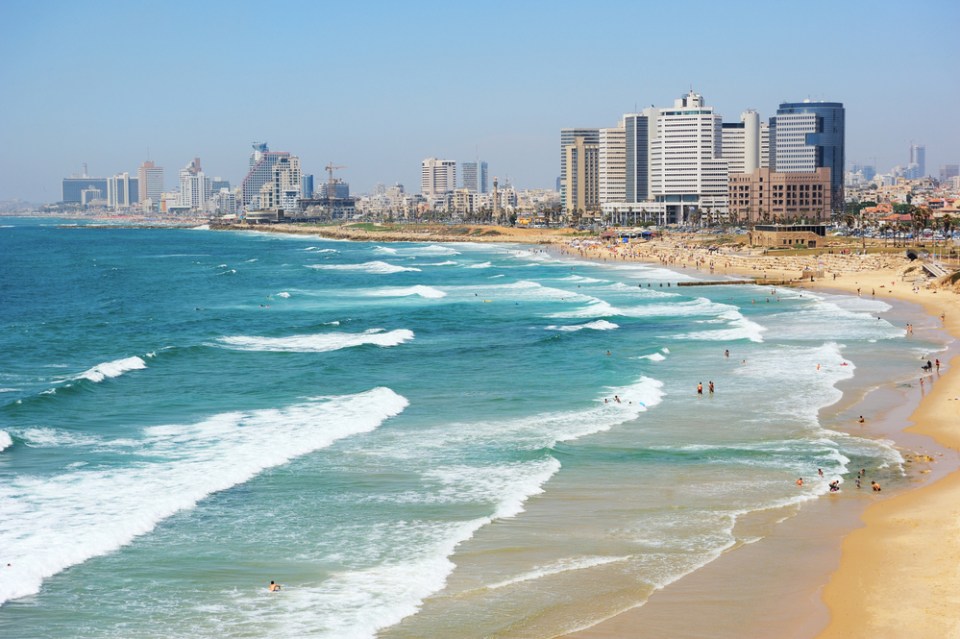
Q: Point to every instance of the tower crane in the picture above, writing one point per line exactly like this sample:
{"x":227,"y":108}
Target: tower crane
{"x":330,"y":168}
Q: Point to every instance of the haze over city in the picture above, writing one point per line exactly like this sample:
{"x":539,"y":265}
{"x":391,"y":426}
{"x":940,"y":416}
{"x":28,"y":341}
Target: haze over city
{"x":376,"y":86}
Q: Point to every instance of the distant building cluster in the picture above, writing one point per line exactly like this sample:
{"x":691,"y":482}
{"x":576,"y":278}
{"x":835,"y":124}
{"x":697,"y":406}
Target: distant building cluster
{"x":682,"y":163}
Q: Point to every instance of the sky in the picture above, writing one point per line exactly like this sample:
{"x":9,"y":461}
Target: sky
{"x":376,"y":87}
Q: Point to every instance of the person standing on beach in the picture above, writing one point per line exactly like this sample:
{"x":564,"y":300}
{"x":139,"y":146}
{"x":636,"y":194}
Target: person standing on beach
{"x":710,"y":386}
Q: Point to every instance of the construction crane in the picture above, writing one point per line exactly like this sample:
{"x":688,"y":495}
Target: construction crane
{"x":330,"y":168}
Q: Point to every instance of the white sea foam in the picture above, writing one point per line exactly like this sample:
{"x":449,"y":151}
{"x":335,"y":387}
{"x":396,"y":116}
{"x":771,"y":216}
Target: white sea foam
{"x":545,"y":430}
{"x":45,"y":437}
{"x":5,"y":440}
{"x":9,"y":390}
{"x":115,"y":368}
{"x":375,"y":267}
{"x":50,"y":523}
{"x":654,"y":357}
{"x":597,"y":307}
{"x":318,"y":343}
{"x":386,"y":250}
{"x":432,"y":250}
{"x":202,"y":227}
{"x":283,"y":294}
{"x":737,"y":327}
{"x":599,"y":325}
{"x":443,"y":263}
{"x":427,"y":292}
{"x":359,"y":602}
{"x":560,"y":566}
{"x":481,"y":265}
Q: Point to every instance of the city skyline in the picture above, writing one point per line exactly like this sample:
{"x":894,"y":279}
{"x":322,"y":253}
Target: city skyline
{"x":98,"y":84}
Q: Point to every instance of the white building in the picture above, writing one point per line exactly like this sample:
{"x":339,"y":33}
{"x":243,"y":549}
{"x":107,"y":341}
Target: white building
{"x":119,"y":195}
{"x":687,"y":170}
{"x":612,"y":161}
{"x":282,"y":191}
{"x":437,"y":177}
{"x":194,"y":187}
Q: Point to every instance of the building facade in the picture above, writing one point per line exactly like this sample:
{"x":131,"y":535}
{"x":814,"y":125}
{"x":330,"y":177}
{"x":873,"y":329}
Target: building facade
{"x":636,"y":157}
{"x":74,"y":187}
{"x":150,"y":183}
{"x":582,"y":178}
{"x":474,"y":176}
{"x":282,"y":192}
{"x":122,"y":191}
{"x":437,"y":177}
{"x":767,"y":196}
{"x":612,"y":165}
{"x":590,"y":136}
{"x":195,"y":187}
{"x":687,"y":170}
{"x":806,"y":136}
{"x":261,"y":171}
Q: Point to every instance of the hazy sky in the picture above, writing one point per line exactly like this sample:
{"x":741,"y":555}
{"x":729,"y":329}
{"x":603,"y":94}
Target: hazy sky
{"x":378,"y":86}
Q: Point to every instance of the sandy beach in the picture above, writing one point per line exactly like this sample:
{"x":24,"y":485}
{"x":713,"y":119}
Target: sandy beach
{"x":897,"y":573}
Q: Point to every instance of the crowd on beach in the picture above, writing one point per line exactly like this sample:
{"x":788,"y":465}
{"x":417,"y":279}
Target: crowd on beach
{"x":686,"y":251}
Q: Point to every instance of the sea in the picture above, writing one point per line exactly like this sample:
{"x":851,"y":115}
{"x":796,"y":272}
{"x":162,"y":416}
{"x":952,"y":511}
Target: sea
{"x":412,"y":439}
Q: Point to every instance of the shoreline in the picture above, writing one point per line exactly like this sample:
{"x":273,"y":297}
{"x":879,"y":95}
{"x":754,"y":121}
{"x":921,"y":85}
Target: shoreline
{"x":871,"y":571}
{"x":876,"y":571}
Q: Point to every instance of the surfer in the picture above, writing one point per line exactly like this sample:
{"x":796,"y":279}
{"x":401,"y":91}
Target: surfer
{"x":274,"y":586}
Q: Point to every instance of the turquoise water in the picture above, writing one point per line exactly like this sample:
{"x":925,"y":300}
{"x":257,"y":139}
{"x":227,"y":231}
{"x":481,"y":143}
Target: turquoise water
{"x":414,"y":439}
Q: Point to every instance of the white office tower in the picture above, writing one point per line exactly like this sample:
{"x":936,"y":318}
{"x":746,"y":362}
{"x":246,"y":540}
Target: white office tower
{"x":742,"y":144}
{"x":437,"y":177}
{"x":194,"y":186}
{"x":119,"y":195}
{"x":612,"y":160}
{"x":687,"y":170}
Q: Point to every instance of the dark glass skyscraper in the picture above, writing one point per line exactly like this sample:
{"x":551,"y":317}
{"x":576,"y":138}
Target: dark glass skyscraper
{"x":805,"y":136}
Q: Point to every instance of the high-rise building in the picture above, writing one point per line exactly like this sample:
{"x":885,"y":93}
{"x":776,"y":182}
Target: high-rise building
{"x":471,"y":181}
{"x":948,"y":171}
{"x":636,"y":156}
{"x":474,"y":176}
{"x":282,"y":192}
{"x":805,"y":136}
{"x":73,"y":188}
{"x":195,"y":187}
{"x":261,"y":171}
{"x":590,"y":136}
{"x":122,"y":191}
{"x":437,"y":177}
{"x":687,"y":170}
{"x":611,"y":161}
{"x":150,"y":182}
{"x":582,"y":177}
{"x":917,"y":168}
{"x":306,"y":185}
{"x":483,"y":178}
{"x":742,"y":144}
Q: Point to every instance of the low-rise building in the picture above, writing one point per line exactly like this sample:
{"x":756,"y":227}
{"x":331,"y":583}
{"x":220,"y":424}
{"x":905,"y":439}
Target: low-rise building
{"x":766,"y":196}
